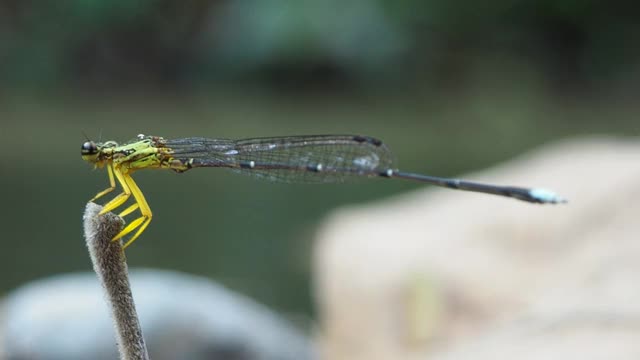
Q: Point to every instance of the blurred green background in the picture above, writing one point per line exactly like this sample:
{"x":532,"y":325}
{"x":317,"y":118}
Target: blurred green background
{"x":451,"y":87}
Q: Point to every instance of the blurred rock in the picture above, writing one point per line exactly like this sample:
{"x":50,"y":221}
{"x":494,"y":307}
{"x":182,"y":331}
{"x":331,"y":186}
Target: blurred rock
{"x":183,"y":317}
{"x":456,"y":275}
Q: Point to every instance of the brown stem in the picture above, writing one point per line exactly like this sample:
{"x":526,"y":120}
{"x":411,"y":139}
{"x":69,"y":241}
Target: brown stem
{"x":110,"y":265}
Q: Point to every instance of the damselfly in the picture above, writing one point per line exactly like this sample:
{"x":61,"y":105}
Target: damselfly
{"x":295,"y":159}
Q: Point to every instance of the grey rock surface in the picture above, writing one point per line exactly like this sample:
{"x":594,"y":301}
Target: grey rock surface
{"x":440,"y":274}
{"x":183,"y":317}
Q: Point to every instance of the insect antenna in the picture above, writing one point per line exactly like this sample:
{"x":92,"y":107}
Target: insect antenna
{"x":85,"y":135}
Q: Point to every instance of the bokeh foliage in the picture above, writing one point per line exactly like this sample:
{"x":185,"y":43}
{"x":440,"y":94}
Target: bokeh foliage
{"x":189,"y":44}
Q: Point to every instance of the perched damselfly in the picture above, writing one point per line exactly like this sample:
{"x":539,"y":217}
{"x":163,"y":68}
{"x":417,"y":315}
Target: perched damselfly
{"x":295,"y":159}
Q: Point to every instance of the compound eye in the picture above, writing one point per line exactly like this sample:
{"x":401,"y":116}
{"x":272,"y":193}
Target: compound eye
{"x":89,"y":148}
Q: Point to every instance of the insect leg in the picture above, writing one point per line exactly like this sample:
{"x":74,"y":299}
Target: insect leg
{"x":121,"y":198}
{"x":129,"y":210}
{"x":142,"y":222}
{"x":112,"y":185}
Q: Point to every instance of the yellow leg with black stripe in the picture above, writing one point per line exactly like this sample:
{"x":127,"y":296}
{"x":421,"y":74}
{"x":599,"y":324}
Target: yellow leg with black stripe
{"x":112,"y":185}
{"x":120,"y":198}
{"x":129,"y":187}
{"x":140,"y":223}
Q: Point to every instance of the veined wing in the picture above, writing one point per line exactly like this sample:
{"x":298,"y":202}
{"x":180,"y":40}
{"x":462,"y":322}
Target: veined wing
{"x":293,"y":159}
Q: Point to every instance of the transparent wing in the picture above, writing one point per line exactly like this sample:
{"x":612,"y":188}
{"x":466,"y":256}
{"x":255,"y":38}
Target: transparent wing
{"x":293,"y":159}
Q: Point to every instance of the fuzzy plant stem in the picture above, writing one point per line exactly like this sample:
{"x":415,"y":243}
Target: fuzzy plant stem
{"x":110,"y":265}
